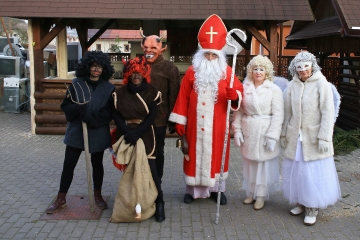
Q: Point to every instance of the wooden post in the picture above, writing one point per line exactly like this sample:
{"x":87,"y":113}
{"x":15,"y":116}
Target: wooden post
{"x":32,"y":76}
{"x":38,"y":54}
{"x":273,"y":51}
{"x":280,"y":48}
{"x":247,"y":51}
{"x":61,"y":55}
{"x":38,"y":61}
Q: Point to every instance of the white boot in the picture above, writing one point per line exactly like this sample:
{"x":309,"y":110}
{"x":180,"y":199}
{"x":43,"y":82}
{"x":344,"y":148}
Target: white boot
{"x":310,"y":216}
{"x":259,"y":203}
{"x":299,"y":209}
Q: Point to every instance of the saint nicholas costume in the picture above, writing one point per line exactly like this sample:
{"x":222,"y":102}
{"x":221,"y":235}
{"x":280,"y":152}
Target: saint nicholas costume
{"x":204,"y":118}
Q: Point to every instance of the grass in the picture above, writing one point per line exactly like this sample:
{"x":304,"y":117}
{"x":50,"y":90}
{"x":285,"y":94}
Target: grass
{"x":345,"y":141}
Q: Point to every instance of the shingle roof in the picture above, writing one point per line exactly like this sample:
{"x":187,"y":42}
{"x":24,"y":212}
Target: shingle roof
{"x":351,"y":11}
{"x":325,"y":27}
{"x":160,"y":9}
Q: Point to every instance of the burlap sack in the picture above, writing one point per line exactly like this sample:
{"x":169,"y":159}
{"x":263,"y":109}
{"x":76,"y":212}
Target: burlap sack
{"x":136,"y":185}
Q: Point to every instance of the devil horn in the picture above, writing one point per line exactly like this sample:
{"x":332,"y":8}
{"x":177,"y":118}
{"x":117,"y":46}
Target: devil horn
{"x":141,"y":33}
{"x":163,"y":35}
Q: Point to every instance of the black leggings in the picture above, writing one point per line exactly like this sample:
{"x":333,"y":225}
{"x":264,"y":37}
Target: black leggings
{"x":160,"y":134}
{"x":71,"y":158}
{"x":157,"y":180}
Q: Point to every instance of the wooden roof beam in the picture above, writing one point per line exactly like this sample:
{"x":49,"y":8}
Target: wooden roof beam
{"x":100,"y":32}
{"x":257,"y":35}
{"x":54,"y":32}
{"x":82,"y":31}
{"x":236,"y":37}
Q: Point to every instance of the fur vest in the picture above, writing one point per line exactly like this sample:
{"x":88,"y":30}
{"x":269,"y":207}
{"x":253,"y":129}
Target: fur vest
{"x":136,"y":106}
{"x":309,"y":108}
{"x":165,"y":77}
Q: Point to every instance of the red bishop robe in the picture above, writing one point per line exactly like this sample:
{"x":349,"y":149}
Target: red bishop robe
{"x":205,"y":126}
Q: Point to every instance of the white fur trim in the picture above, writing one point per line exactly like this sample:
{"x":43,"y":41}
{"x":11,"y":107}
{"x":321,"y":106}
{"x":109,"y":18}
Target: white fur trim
{"x":158,"y":96}
{"x":192,"y":180}
{"x":143,"y":102}
{"x":115,"y":98}
{"x":204,"y":135}
{"x":239,"y":101}
{"x":177,"y":118}
{"x":154,"y":146}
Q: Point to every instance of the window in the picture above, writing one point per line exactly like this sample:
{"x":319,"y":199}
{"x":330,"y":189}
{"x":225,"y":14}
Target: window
{"x":126,"y":48}
{"x":98,"y":47}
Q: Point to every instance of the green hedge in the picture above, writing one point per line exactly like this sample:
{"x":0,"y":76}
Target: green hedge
{"x":345,"y":141}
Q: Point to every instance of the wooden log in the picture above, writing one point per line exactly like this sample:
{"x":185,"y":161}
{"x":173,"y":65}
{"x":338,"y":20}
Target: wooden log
{"x":59,"y":119}
{"x":350,"y":107}
{"x":349,"y":67}
{"x":349,"y":75}
{"x":348,"y":93}
{"x":346,"y":124}
{"x":49,"y":95}
{"x":349,"y":115}
{"x":349,"y":84}
{"x":351,"y":100}
{"x":50,"y":130}
{"x":55,"y":86}
{"x":60,"y":81}
{"x":352,"y":88}
{"x":47,"y":106}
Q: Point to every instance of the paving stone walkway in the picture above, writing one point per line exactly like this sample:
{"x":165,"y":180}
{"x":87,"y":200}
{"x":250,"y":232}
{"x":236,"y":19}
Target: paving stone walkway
{"x":30,"y":168}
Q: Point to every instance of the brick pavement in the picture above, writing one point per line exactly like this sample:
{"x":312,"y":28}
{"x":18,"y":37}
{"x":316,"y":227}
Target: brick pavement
{"x":30,"y":167}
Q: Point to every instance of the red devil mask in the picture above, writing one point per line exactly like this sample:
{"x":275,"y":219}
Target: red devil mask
{"x":152,"y":47}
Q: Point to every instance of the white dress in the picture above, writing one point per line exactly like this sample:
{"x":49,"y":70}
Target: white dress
{"x":261,"y":179}
{"x":314,"y":184}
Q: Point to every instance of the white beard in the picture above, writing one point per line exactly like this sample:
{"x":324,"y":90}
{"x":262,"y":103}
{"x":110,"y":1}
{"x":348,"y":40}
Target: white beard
{"x":208,"y":73}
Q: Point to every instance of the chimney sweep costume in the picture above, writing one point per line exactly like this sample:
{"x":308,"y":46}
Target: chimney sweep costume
{"x":92,"y":74}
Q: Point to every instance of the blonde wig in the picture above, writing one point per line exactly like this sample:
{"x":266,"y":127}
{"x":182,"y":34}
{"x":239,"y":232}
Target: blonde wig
{"x":262,"y":61}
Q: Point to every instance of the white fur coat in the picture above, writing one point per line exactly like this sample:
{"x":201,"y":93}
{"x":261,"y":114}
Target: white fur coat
{"x":309,"y":107}
{"x":261,"y":115}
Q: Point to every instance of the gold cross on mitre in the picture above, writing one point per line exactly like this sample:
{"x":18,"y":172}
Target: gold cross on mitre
{"x":211,"y":33}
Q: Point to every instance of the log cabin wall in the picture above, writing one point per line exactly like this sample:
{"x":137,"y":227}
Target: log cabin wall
{"x":349,"y":89}
{"x":49,"y":118}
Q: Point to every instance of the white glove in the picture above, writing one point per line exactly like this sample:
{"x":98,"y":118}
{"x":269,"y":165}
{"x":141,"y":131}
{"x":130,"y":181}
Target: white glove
{"x":270,"y":144}
{"x":323,"y":146}
{"x":238,"y":138}
{"x":283,"y":142}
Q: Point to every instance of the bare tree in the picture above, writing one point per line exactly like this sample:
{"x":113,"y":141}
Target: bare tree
{"x":15,"y":26}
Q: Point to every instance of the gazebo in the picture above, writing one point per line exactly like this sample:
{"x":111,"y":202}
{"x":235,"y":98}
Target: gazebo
{"x":182,"y":19}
